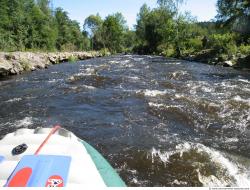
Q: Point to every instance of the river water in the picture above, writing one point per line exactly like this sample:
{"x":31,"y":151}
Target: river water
{"x":159,"y":122}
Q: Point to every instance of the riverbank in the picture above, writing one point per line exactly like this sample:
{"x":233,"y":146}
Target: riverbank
{"x":213,"y":57}
{"x":14,"y":63}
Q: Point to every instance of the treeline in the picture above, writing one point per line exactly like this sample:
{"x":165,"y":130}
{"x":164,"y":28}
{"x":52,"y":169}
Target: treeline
{"x":32,"y":25}
{"x":164,"y":30}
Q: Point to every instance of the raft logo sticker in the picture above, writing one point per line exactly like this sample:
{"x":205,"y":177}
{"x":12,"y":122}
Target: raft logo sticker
{"x":54,"y":181}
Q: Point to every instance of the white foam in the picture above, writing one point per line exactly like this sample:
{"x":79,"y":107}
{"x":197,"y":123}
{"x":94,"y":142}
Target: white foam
{"x":246,"y":89}
{"x":177,"y":74}
{"x":113,"y":62}
{"x":239,"y":99}
{"x":89,"y":87}
{"x":125,"y":61}
{"x":55,"y":80}
{"x":244,"y":80}
{"x":84,"y":86}
{"x":173,"y":63}
{"x":177,"y":182}
{"x":27,"y":121}
{"x":13,"y":100}
{"x":152,"y":93}
{"x":179,"y":96}
{"x":52,"y":81}
{"x":163,"y":156}
{"x":151,"y":104}
{"x":86,"y":72}
{"x":138,"y":59}
{"x":133,"y":78}
{"x":230,"y":140}
{"x":207,"y":89}
{"x":234,"y":171}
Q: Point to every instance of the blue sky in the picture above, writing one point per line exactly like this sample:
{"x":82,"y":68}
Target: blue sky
{"x":78,"y":10}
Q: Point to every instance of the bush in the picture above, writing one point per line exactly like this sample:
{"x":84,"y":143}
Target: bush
{"x":244,"y":49}
{"x":170,"y":52}
{"x":72,"y":59}
{"x":166,"y":50}
{"x":68,"y":47}
{"x":193,"y":45}
{"x":224,"y":43}
{"x":25,"y":65}
{"x":104,"y":52}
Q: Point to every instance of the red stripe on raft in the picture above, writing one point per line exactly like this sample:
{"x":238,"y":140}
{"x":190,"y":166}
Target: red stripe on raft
{"x":21,"y":178}
{"x":47,"y":138}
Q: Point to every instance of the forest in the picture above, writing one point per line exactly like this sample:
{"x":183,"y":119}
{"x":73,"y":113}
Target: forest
{"x":33,"y":25}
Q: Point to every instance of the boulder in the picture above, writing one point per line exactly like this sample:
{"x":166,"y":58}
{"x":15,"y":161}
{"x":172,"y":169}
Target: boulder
{"x":5,"y":67}
{"x":228,"y":63}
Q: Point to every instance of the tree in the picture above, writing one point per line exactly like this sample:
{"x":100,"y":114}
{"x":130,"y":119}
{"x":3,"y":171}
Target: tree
{"x":154,"y":28}
{"x":92,"y":23}
{"x":44,"y":6}
{"x":129,"y":40}
{"x":42,"y":32}
{"x":93,"y":26}
{"x":30,"y":24}
{"x":235,"y":14}
{"x":113,"y":30}
{"x":172,"y":5}
{"x":6,"y":40}
{"x":141,"y":23}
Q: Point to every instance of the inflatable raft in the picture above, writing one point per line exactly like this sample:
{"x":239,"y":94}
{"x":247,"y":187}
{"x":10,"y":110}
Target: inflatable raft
{"x":46,"y":157}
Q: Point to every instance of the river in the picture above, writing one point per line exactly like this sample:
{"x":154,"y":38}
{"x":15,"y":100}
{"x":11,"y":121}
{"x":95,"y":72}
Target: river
{"x":158,"y":121}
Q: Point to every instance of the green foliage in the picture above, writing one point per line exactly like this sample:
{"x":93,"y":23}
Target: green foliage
{"x":165,"y":31}
{"x":113,"y":29}
{"x":32,"y":25}
{"x":166,"y":50}
{"x":244,"y":49}
{"x":235,"y":14}
{"x":153,"y":28}
{"x":172,"y":5}
{"x":72,"y":59}
{"x":25,"y":65}
{"x":224,"y":43}
{"x":193,"y":45}
{"x":104,"y":52}
{"x":129,"y":40}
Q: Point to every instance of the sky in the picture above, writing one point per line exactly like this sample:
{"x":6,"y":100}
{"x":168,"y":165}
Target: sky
{"x":203,"y":10}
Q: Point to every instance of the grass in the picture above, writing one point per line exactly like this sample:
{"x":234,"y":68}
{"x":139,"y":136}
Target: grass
{"x":72,"y":59}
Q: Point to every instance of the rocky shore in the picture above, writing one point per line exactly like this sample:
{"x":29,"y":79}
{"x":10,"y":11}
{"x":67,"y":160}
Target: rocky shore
{"x":212,"y":57}
{"x":17,"y":62}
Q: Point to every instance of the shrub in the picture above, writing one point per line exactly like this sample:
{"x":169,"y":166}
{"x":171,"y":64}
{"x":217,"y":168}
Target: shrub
{"x":166,"y":50}
{"x":25,"y":65}
{"x":193,"y":45}
{"x":68,"y":47}
{"x":224,"y":43}
{"x":72,"y":59}
{"x":244,"y":49}
{"x":104,"y":52}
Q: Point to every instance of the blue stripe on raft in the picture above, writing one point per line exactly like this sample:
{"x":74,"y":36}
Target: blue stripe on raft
{"x":2,"y":158}
{"x":108,"y":174}
{"x":43,"y":167}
